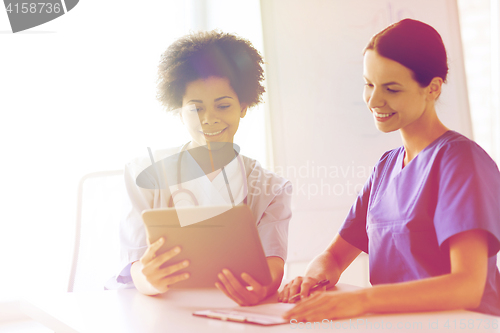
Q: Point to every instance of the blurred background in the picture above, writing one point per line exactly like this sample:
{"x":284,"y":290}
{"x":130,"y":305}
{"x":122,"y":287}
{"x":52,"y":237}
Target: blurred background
{"x":77,"y":95}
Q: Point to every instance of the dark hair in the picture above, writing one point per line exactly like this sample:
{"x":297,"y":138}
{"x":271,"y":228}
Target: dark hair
{"x":210,"y":53}
{"x":415,"y":45}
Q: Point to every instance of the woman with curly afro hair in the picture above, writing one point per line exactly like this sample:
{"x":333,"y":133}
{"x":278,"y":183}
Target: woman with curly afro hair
{"x":210,"y":79}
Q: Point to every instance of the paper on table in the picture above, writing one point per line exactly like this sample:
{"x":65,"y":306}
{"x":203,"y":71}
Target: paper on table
{"x":264,"y":314}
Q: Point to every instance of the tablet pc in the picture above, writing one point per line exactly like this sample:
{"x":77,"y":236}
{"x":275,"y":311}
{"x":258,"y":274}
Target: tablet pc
{"x":226,"y":240}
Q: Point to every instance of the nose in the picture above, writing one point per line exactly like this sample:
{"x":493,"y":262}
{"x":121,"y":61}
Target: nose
{"x":209,"y":116}
{"x":374,"y":98}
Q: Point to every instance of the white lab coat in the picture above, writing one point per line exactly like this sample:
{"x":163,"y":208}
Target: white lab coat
{"x":269,"y":199}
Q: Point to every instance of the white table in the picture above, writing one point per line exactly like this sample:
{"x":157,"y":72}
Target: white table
{"x":130,"y":311}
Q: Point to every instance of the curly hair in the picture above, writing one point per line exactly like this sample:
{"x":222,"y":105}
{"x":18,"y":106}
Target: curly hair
{"x":210,"y":53}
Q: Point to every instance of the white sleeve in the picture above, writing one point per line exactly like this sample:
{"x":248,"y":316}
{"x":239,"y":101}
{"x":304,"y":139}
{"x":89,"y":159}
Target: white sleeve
{"x":273,"y":226}
{"x":133,"y":242}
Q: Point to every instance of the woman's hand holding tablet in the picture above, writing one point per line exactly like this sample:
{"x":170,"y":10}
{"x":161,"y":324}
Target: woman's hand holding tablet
{"x":255,"y":292}
{"x":242,"y":295}
{"x":153,"y":268}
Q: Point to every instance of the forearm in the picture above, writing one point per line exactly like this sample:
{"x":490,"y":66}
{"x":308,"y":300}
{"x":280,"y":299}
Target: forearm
{"x":463,"y":288}
{"x":445,"y":292}
{"x":140,"y":281}
{"x":324,"y":266}
{"x":333,"y":261}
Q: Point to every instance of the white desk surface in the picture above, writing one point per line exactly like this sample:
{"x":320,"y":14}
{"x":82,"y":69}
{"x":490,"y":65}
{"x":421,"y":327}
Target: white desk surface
{"x":130,"y":311}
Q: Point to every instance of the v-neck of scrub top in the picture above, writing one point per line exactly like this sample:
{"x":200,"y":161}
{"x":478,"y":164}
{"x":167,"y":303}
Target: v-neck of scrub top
{"x":395,"y":182}
{"x":401,"y":157}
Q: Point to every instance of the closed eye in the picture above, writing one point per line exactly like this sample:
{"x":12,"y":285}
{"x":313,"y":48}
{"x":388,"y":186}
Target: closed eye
{"x":392,"y":90}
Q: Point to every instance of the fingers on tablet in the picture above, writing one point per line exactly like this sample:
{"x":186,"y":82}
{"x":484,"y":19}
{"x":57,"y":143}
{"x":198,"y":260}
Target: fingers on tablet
{"x":164,"y":257}
{"x":151,"y":251}
{"x":251,"y":281}
{"x":254,"y":285}
{"x":174,"y":268}
{"x":221,"y":287}
{"x":156,"y":245}
{"x":233,"y":282}
{"x":171,"y":279}
{"x":227,"y":288}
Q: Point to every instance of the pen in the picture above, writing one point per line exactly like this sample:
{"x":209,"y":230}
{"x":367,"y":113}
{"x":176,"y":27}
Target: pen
{"x":320,"y":284}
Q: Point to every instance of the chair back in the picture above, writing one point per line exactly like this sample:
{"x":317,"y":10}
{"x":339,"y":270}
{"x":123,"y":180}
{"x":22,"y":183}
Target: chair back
{"x":96,"y":250}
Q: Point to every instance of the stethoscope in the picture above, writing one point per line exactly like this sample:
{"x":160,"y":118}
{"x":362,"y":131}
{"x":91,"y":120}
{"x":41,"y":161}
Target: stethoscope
{"x":180,"y":189}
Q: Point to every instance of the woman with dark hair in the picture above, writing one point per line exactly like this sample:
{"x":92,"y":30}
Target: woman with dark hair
{"x":210,"y":79}
{"x":428,"y":216}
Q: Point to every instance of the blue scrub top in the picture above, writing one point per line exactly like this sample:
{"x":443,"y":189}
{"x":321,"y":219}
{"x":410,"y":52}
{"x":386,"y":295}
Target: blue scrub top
{"x":403,"y":217}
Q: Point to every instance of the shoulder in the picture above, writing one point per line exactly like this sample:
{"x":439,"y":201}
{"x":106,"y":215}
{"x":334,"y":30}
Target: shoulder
{"x":461,"y":163}
{"x":453,"y":143}
{"x":458,"y":151}
{"x":267,"y":192}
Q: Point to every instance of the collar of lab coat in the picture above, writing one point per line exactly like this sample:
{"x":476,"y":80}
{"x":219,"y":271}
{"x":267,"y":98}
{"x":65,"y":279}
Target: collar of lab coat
{"x":209,"y":192}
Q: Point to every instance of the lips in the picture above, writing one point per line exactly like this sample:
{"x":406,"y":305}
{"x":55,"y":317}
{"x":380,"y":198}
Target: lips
{"x":213,"y":133}
{"x":383,"y":116}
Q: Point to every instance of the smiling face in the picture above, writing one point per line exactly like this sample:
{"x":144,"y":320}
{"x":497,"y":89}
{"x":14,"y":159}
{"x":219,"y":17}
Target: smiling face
{"x":211,"y":111}
{"x":395,"y":99}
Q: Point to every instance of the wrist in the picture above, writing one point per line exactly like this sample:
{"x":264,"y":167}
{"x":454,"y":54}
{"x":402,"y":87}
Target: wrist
{"x":317,"y":274}
{"x":319,"y":266}
{"x":324,"y":269}
{"x":141,"y":282}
